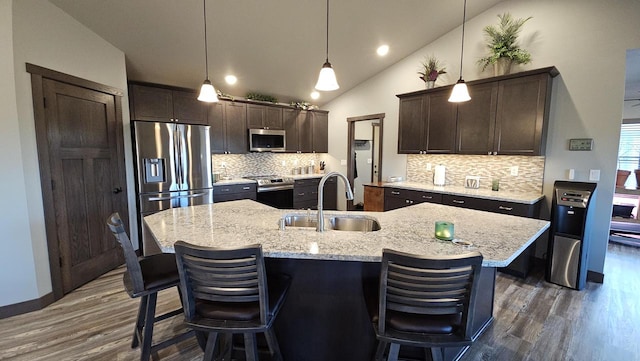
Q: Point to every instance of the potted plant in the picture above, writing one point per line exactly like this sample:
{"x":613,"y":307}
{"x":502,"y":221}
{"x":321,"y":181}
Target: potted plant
{"x":501,"y":41}
{"x":429,"y":70}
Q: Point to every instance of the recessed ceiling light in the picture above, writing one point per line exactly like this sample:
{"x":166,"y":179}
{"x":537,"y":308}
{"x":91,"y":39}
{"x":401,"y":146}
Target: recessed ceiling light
{"x":315,"y":95}
{"x":383,"y":50}
{"x":230,"y":79}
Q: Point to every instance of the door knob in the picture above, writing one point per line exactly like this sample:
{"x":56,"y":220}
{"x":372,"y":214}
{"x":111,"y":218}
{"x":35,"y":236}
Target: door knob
{"x":117,"y":190}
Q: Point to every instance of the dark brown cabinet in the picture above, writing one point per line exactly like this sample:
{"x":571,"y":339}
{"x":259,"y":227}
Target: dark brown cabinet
{"x":306,"y":131}
{"x":427,"y":123}
{"x":228,"y":121}
{"x":506,"y":115}
{"x":305,"y":193}
{"x":155,"y":103}
{"x":264,"y":117}
{"x":234,"y":192}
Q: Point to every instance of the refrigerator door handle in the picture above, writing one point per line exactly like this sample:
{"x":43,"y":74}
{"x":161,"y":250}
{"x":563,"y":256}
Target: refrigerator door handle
{"x":177,"y":197}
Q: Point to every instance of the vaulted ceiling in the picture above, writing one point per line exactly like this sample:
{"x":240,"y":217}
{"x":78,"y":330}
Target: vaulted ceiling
{"x":273,"y":47}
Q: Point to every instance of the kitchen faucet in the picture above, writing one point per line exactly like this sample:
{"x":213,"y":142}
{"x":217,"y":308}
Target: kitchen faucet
{"x":349,"y":194}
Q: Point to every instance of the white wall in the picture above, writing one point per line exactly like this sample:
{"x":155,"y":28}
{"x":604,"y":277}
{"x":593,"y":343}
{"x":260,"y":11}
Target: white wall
{"x":43,"y":35}
{"x":586,"y":40}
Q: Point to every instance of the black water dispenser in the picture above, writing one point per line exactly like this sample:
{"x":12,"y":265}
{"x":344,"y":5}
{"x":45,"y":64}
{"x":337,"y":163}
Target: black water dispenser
{"x":568,"y":252}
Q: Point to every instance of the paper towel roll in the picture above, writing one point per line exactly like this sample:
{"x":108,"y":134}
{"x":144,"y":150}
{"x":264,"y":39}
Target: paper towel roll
{"x":438,"y":175}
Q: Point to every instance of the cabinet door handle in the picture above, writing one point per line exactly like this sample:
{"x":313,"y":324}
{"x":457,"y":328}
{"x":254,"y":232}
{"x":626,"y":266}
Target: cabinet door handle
{"x":246,"y":188}
{"x":457,"y":201}
{"x":301,"y":194}
{"x":427,"y":197}
{"x":505,"y":208}
{"x":395,"y":193}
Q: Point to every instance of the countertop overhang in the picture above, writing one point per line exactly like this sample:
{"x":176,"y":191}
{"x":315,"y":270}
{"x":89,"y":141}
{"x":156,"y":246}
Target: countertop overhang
{"x":500,"y":238}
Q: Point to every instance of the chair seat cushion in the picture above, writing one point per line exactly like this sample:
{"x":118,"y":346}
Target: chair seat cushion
{"x":246,"y":311}
{"x":159,"y":271}
{"x":432,"y":324}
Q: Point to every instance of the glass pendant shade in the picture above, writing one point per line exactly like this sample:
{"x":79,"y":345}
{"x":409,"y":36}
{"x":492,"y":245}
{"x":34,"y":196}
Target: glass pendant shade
{"x":327,"y":79}
{"x":460,"y":93}
{"x":207,"y":93}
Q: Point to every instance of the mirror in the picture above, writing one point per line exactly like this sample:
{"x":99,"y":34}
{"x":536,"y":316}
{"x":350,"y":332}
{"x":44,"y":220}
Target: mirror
{"x":364,"y":159}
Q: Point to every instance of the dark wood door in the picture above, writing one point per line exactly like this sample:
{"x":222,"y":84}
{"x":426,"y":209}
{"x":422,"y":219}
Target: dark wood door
{"x":441,"y":127}
{"x":151,"y":103}
{"x":273,"y":117}
{"x":305,"y":132}
{"x":255,"y":116}
{"x":320,"y":124}
{"x":476,"y":120}
{"x":217,"y":130}
{"x":236,"y":122}
{"x":290,"y":124}
{"x":87,"y":179}
{"x":188,"y":109}
{"x":520,"y":115}
{"x":411,"y":125}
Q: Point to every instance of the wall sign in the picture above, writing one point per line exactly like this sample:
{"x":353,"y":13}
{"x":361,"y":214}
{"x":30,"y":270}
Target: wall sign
{"x":581,"y":144}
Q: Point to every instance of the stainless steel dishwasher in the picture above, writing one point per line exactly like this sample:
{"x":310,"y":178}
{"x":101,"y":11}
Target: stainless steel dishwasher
{"x":568,"y":251}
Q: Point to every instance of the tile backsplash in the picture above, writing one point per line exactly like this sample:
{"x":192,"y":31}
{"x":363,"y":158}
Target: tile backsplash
{"x":488,"y":167}
{"x":242,"y":165}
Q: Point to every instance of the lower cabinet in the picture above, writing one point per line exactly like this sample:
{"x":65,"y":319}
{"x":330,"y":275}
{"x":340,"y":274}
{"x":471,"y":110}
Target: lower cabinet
{"x":305,"y":193}
{"x":395,"y":198}
{"x":233,"y":192}
{"x":490,"y":205}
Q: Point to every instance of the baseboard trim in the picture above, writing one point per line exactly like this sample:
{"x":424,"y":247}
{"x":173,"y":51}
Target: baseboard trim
{"x":27,"y":306}
{"x":596,"y":277}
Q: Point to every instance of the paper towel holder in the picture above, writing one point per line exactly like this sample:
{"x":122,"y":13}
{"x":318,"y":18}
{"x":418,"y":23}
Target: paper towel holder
{"x":439,"y":175}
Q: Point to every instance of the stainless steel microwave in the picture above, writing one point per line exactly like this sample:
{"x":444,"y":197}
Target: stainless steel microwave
{"x":267,"y":140}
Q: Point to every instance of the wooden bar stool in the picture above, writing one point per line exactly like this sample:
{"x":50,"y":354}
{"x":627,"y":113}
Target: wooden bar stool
{"x":225,"y":292}
{"x":146,"y":276}
{"x":425,"y":302}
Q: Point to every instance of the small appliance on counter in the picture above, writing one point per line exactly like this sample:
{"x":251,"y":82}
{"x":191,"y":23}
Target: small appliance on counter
{"x":439,"y":176}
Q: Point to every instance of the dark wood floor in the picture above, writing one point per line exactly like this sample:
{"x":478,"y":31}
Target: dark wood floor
{"x":534,"y":320}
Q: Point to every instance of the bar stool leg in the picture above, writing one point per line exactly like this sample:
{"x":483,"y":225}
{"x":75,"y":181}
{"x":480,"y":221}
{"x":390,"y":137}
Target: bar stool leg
{"x":250,"y":347}
{"x":272,"y":342}
{"x":149,"y":319}
{"x":137,"y":330}
{"x":394,"y":350}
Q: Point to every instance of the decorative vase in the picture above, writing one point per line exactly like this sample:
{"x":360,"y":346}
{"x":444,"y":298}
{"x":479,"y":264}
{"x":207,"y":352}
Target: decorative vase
{"x":430,"y":84}
{"x":621,"y":178}
{"x":502,"y":66}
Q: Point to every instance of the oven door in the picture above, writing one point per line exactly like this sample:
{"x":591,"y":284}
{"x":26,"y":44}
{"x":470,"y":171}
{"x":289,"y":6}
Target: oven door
{"x":281,"y":198}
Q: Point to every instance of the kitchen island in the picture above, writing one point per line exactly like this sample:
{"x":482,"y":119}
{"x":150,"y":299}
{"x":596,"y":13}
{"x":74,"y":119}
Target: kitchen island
{"x":325,"y":316}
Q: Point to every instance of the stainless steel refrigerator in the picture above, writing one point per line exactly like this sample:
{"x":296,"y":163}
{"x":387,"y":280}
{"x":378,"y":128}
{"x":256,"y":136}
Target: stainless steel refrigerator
{"x":173,"y":169}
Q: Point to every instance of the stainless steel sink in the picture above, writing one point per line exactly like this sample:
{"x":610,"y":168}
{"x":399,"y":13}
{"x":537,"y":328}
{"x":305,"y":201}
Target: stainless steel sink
{"x":336,"y":223}
{"x":354,"y":223}
{"x":299,"y":220}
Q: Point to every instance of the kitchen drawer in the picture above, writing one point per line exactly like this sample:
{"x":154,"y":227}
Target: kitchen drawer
{"x":305,"y":194}
{"x":311,"y":204}
{"x":232,"y":192}
{"x":515,"y":209}
{"x":397,"y":198}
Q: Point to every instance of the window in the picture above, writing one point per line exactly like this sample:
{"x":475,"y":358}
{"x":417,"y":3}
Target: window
{"x":629,"y":150}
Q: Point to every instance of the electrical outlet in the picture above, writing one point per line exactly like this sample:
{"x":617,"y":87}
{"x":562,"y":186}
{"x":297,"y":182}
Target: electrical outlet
{"x":283,"y":163}
{"x":223,"y":164}
{"x":343,"y":162}
{"x":572,"y":174}
{"x":594,"y":175}
{"x":514,"y":170}
{"x":429,"y":166}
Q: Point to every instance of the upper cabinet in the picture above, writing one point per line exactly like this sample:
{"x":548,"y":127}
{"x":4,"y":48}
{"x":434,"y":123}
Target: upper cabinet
{"x":306,"y":131}
{"x":166,"y":105}
{"x":228,"y":132}
{"x":264,"y":117}
{"x":427,"y":123}
{"x":506,"y":115}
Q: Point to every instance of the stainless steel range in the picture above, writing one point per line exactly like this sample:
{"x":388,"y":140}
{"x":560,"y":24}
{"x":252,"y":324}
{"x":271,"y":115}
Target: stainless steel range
{"x":274,"y":191}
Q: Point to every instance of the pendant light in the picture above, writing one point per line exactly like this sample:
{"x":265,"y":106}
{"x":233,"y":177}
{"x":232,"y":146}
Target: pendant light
{"x":327,"y":79}
{"x":460,"y":93}
{"x":207,"y":91}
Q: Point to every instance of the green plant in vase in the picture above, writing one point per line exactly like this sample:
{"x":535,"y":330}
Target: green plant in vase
{"x":430,"y":68}
{"x":502,"y":44}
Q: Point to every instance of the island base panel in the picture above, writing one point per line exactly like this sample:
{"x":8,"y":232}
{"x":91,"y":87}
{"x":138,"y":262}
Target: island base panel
{"x":325,"y":316}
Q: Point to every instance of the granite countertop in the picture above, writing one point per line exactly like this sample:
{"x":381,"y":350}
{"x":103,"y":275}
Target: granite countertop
{"x":500,"y":238}
{"x":233,"y":181}
{"x":516,"y":197}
